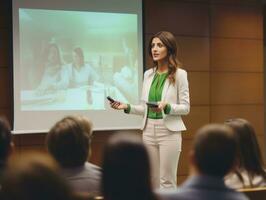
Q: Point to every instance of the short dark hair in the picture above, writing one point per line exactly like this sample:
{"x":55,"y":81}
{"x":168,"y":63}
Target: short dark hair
{"x":126,"y":169}
{"x":5,"y":139}
{"x":214,"y":149}
{"x":68,"y":141}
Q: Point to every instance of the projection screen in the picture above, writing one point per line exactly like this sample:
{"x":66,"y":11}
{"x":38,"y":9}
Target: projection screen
{"x":70,"y":55}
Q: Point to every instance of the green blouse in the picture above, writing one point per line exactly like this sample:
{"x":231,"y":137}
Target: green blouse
{"x":155,"y":95}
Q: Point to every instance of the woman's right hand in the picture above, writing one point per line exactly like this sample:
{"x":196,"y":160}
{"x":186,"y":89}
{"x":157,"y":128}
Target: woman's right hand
{"x":118,"y":105}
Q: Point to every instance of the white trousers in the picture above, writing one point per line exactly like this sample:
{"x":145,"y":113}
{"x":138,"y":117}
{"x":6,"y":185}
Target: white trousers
{"x":164,"y":149}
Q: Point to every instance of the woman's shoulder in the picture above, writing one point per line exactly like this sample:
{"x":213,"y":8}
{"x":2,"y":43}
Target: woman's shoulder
{"x":181,"y":71}
{"x":149,"y":71}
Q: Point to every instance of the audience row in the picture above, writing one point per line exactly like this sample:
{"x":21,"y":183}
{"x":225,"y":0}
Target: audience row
{"x":223,"y":157}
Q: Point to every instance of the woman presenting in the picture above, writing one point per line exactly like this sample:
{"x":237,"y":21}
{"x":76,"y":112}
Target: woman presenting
{"x":166,"y":85}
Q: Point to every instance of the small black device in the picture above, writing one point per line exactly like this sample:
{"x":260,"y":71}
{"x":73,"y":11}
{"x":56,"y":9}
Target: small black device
{"x":152,"y":104}
{"x":110,"y":99}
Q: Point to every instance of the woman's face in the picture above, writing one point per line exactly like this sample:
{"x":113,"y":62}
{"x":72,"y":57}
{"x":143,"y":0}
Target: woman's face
{"x":158,"y":50}
{"x":76,"y":59}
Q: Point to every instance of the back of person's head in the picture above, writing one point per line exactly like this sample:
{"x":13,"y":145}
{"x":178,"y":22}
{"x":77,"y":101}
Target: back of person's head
{"x":5,"y":140}
{"x":249,"y":155}
{"x":126,"y":169}
{"x":32,"y":176}
{"x":68,"y":141}
{"x":214,"y":150}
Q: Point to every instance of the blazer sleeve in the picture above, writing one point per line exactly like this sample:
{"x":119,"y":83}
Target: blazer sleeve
{"x":182,"y":107}
{"x":141,"y":108}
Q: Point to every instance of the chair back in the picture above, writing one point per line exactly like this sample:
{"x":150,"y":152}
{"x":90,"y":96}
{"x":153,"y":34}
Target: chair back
{"x":258,"y":193}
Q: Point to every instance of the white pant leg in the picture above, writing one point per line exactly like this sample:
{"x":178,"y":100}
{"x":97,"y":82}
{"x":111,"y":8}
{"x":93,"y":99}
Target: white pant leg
{"x":170,"y":147}
{"x":169,"y":157}
{"x":150,"y":142}
{"x":164,"y":149}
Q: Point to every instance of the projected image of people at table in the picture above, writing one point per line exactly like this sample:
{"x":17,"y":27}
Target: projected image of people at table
{"x":73,"y":60}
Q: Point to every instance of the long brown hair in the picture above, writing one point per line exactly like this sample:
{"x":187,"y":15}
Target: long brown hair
{"x":168,"y":39}
{"x":249,"y":154}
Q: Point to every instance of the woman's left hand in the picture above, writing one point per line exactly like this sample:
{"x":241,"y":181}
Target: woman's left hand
{"x":160,"y":108}
{"x":161,"y":105}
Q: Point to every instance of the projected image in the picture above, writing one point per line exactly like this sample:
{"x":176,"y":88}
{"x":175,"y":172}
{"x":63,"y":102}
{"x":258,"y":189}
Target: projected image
{"x":72,"y":60}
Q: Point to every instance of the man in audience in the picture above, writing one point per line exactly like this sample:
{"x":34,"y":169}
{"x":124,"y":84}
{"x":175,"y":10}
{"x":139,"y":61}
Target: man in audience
{"x":68,"y":141}
{"x":211,"y":158}
{"x":6,"y":144}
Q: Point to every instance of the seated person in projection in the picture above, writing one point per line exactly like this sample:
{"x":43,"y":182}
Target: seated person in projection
{"x":80,"y":73}
{"x":54,"y":75}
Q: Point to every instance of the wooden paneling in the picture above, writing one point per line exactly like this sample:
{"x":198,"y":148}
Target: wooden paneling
{"x":4,"y":14}
{"x":32,"y":139}
{"x":194,"y":53}
{"x":261,"y":141}
{"x":4,"y":53}
{"x":198,"y":116}
{"x":237,"y":21}
{"x":199,"y":85}
{"x":236,"y":2}
{"x":253,"y":113}
{"x":177,"y":17}
{"x":99,"y":140}
{"x":184,"y":158}
{"x":237,"y":88}
{"x":6,"y":112}
{"x":236,"y":55}
{"x":40,"y":148}
{"x":5,"y":91}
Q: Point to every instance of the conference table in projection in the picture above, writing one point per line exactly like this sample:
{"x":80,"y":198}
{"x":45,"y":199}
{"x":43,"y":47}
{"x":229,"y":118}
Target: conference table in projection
{"x":81,"y":98}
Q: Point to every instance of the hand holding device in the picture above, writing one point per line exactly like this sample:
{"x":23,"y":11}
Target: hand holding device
{"x":110,"y":99}
{"x":152,"y":104}
{"x":116,"y":104}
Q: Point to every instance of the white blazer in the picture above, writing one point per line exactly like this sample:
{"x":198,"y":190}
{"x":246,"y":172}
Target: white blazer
{"x":177,"y":95}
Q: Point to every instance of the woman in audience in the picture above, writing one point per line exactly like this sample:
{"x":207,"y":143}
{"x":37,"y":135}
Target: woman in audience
{"x":249,"y":170}
{"x":126,"y":170}
{"x":34,"y":176}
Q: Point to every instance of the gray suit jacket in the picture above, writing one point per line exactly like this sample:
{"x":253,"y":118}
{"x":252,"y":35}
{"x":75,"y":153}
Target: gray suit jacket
{"x":203,"y":188}
{"x":177,"y":95}
{"x":85,"y":178}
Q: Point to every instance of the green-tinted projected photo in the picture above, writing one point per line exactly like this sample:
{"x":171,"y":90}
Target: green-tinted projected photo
{"x":72,"y":60}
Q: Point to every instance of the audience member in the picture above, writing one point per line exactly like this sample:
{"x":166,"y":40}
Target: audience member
{"x":250,"y":169}
{"x":68,"y":141}
{"x":126,"y":170}
{"x":6,"y":144}
{"x":32,"y":176}
{"x":212,"y":156}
